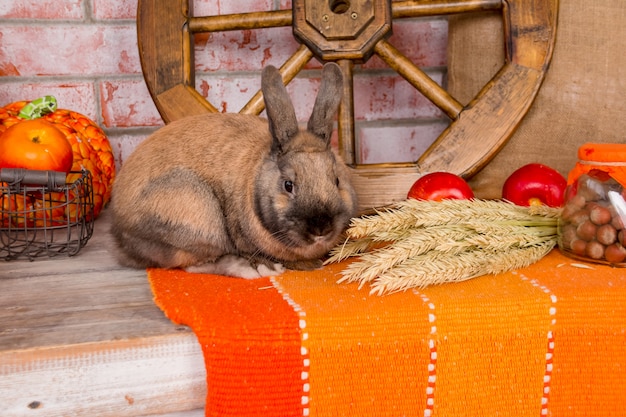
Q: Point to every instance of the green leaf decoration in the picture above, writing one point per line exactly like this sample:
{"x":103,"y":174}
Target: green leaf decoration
{"x":38,"y":107}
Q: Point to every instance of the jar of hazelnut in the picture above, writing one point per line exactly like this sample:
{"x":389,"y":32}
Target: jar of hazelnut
{"x":591,"y":225}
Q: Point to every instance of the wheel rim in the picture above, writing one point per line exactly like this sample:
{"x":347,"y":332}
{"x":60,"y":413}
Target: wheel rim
{"x":476,"y":132}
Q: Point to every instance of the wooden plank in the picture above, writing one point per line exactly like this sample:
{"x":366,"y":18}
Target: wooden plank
{"x":107,"y":379}
{"x":82,"y":336}
{"x":82,"y":299}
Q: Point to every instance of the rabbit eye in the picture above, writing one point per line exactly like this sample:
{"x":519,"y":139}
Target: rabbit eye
{"x":288,"y":186}
{"x":337,"y":181}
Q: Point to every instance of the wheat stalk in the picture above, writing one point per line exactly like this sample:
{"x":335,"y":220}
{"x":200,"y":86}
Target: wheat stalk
{"x":420,"y":213}
{"x":348,"y":249}
{"x":440,"y":267}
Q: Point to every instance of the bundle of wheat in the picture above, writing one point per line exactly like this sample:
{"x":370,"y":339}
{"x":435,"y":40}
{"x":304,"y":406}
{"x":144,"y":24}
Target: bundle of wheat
{"x":417,"y":243}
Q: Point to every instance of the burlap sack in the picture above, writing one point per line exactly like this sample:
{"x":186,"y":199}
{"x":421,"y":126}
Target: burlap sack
{"x":583,"y":97}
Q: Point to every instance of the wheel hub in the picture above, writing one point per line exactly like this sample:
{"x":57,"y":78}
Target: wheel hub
{"x":341,"y":29}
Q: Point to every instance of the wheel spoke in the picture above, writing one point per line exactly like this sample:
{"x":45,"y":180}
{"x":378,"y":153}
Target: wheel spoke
{"x":415,"y":8}
{"x":345,"y":117}
{"x":288,"y":70}
{"x":240,"y":21}
{"x":418,"y":79}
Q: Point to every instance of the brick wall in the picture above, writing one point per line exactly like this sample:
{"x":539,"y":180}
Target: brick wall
{"x":84,"y":52}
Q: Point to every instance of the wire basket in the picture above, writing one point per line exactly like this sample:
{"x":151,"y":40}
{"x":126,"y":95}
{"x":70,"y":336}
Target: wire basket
{"x":44,"y":213}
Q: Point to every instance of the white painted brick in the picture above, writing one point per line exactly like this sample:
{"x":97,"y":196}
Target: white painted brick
{"x":115,"y":9}
{"x":389,"y":96}
{"x":127,"y":103}
{"x":70,"y":50}
{"x":396,"y":143}
{"x":76,"y":96}
{"x":123,"y":144}
{"x":41,"y":9}
{"x":247,"y":50}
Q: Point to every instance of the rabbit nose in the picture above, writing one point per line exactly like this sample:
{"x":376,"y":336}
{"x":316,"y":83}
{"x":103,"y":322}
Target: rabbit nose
{"x":320,"y":225}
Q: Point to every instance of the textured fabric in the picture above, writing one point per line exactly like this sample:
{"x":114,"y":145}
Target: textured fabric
{"x":544,"y":340}
{"x":581,"y":100}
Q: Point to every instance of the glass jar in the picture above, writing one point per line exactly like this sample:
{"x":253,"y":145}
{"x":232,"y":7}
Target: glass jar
{"x":591,"y":226}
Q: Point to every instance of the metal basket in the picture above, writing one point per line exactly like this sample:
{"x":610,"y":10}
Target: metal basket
{"x":44,"y":213}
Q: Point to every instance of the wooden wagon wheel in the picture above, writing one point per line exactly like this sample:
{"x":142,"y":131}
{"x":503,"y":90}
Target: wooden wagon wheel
{"x":349,"y":31}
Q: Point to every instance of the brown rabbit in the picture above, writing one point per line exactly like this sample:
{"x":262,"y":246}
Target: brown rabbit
{"x":237,"y":194}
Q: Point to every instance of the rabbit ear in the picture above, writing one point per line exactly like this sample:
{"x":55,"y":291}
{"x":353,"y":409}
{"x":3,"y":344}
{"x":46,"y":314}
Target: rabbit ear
{"x":327,"y":102}
{"x":280,"y":112}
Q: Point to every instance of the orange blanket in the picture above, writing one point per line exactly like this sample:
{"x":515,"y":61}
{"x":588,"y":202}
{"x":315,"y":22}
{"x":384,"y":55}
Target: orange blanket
{"x":549,"y":339}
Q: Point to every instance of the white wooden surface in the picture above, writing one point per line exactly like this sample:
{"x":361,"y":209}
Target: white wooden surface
{"x":81,"y":336}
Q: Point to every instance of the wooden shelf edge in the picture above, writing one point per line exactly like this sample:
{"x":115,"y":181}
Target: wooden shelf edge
{"x":139,"y":377}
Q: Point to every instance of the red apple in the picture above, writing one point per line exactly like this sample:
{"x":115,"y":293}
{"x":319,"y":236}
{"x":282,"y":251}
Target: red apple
{"x":437,"y":186}
{"x":535,"y":184}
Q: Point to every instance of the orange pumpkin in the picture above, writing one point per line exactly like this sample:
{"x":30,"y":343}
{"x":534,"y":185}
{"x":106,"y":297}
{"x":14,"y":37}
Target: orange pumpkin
{"x":90,"y":145}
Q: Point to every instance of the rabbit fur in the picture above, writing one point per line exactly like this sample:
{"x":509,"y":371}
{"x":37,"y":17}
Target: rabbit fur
{"x":237,"y":194}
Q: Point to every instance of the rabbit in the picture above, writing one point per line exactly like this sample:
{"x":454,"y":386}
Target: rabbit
{"x":234,"y":194}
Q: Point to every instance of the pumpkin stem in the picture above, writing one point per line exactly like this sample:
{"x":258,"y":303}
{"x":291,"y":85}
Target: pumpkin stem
{"x":38,"y":108}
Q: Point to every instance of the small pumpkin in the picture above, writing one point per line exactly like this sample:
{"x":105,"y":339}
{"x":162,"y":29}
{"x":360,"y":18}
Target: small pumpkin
{"x":90,"y":145}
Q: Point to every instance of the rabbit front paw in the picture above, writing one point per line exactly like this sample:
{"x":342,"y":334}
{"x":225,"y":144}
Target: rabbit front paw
{"x":230,"y":265}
